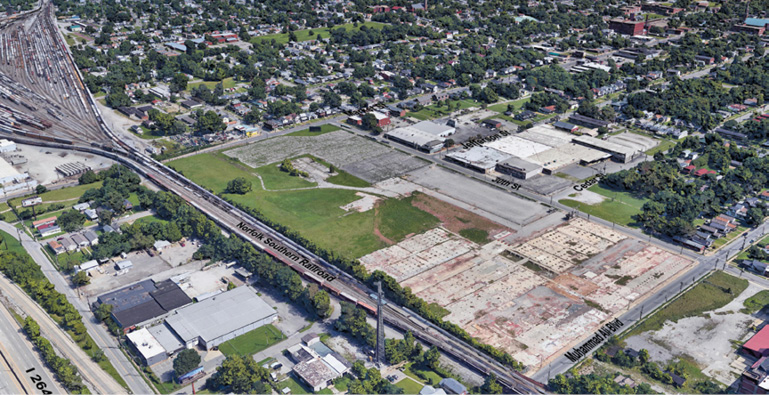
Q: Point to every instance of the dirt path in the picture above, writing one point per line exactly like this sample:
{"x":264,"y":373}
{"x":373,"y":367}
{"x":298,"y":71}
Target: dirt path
{"x":377,"y":233}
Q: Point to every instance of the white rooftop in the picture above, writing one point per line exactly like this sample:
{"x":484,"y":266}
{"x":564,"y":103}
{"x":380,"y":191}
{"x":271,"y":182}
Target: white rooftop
{"x":433,"y":129}
{"x":219,"y":315}
{"x":482,"y":157}
{"x":147,"y":345}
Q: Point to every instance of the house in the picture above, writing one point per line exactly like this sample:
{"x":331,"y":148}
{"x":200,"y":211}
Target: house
{"x":127,"y":205}
{"x":47,"y":221}
{"x":441,"y":96}
{"x":566,"y":126}
{"x":688,"y":169}
{"x":430,"y":390}
{"x":91,"y":214}
{"x":48,"y":230}
{"x":80,"y":240}
{"x":81,"y":206}
{"x":525,"y":115}
{"x":56,"y":247}
{"x":161,"y":245}
{"x":395,"y":111}
{"x":547,"y":109}
{"x":68,"y":244}
{"x":92,"y":237}
{"x":756,"y":266}
{"x":678,"y":381}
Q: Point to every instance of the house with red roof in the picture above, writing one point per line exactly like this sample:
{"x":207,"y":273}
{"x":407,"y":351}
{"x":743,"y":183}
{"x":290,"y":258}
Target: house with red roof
{"x":758,"y":345}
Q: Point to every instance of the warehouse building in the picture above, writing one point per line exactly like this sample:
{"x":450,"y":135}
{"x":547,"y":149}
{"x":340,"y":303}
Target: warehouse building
{"x":143,"y":302}
{"x":619,"y":152}
{"x":416,"y":138}
{"x":220,"y":318}
{"x":481,"y":159}
{"x":518,"y":168}
{"x":147,"y":347}
{"x":7,"y":146}
{"x":9,"y":175}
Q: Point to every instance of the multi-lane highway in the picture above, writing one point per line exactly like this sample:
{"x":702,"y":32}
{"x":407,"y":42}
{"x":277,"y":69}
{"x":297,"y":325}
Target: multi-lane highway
{"x":21,"y":366}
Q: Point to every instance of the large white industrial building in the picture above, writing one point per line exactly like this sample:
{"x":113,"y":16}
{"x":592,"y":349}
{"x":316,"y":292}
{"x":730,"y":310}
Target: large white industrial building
{"x":221,"y":318}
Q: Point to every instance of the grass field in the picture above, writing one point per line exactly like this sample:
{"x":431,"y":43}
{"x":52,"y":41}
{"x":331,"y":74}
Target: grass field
{"x":11,"y":244}
{"x":708,"y":295}
{"x":662,"y":147}
{"x":341,"y":383}
{"x":314,"y":213}
{"x":440,"y":110}
{"x":71,"y":193}
{"x":517,"y":105}
{"x":431,"y":377}
{"x":296,"y":387}
{"x":227,"y":83}
{"x":304,"y":35}
{"x":722,"y":241}
{"x":479,"y":236}
{"x":756,"y":302}
{"x":620,"y":207}
{"x":149,"y":219}
{"x":323,"y":130}
{"x":252,"y":342}
{"x":409,"y":386}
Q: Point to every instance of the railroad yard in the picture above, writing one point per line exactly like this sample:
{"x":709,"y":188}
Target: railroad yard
{"x":36,"y":88}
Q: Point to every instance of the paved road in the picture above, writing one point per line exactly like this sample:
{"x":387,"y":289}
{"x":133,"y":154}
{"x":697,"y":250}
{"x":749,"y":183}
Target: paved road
{"x":100,"y":382}
{"x":21,"y":356}
{"x":97,"y":331}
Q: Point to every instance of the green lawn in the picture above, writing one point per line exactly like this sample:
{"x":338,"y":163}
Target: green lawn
{"x":11,"y":244}
{"x":620,"y":207}
{"x":341,"y":383}
{"x":756,"y":302}
{"x":252,"y":342}
{"x":149,"y":219}
{"x":517,"y":105}
{"x":347,"y":179}
{"x":314,"y":213}
{"x":720,"y":242}
{"x":227,"y":83}
{"x":296,"y":387}
{"x":304,"y":35}
{"x":440,"y":110}
{"x":67,"y":261}
{"x":479,"y":236}
{"x":409,"y":386}
{"x":431,"y":377}
{"x":71,"y":193}
{"x":662,"y":147}
{"x":327,"y":128}
{"x":708,"y":295}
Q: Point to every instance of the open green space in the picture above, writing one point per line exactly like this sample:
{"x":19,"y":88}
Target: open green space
{"x":422,"y":376}
{"x":318,"y":33}
{"x":476,"y":235}
{"x":10,"y":243}
{"x":712,"y":293}
{"x":252,"y":342}
{"x":756,"y":302}
{"x":314,"y":213}
{"x":341,"y":383}
{"x":327,"y":128}
{"x":149,"y":219}
{"x":296,"y":386}
{"x":409,"y":386}
{"x":517,"y":105}
{"x":71,"y":193}
{"x":227,"y":83}
{"x":663,"y":146}
{"x":440,"y":110}
{"x":620,"y":206}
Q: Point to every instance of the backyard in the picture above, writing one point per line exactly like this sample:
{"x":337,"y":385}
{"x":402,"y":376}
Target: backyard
{"x":253,"y":341}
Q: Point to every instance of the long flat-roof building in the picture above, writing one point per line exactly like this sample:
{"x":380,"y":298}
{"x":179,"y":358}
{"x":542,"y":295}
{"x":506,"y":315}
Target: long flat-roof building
{"x":622,"y":153}
{"x":482,"y":159}
{"x":518,"y":168}
{"x":221,"y":318}
{"x":416,"y":138}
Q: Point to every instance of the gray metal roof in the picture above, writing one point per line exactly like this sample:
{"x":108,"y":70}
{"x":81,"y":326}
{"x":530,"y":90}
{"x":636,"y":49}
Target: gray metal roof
{"x":219,"y":315}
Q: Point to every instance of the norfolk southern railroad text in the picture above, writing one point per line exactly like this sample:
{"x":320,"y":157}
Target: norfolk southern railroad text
{"x":604,"y":333}
{"x":286,"y":252}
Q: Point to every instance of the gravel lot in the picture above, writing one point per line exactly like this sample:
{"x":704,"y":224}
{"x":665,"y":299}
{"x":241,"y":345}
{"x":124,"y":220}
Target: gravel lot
{"x":360,"y":157}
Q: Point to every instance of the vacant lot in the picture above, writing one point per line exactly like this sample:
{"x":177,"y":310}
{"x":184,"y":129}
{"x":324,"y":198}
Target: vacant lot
{"x":620,"y":207}
{"x":252,"y":342}
{"x":714,"y":292}
{"x":315,"y":213}
{"x":441,"y":110}
{"x":307,"y":133}
{"x":317,"y":33}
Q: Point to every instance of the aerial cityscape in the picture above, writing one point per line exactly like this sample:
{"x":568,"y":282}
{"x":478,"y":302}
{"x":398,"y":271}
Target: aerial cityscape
{"x":384,"y":197}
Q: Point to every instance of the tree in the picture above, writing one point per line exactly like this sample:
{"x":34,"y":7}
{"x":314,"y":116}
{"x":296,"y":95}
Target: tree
{"x":209,"y":122}
{"x":41,"y":189}
{"x":331,"y":168}
{"x":185,"y":361}
{"x":71,"y":220}
{"x":81,"y":278}
{"x":369,"y":121}
{"x":490,"y":385}
{"x":239,"y":185}
{"x":89,"y":177}
{"x":292,"y":36}
{"x":103,"y":311}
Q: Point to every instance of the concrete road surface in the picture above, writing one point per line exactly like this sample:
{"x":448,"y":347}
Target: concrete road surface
{"x":98,"y":332}
{"x":20,"y":355}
